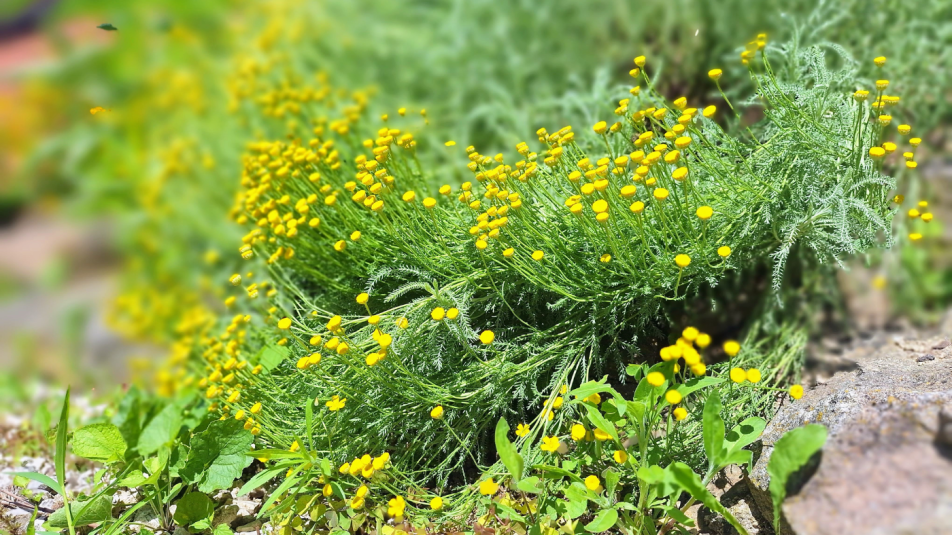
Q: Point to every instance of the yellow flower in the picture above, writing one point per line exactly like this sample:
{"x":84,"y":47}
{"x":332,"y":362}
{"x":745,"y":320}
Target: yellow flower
{"x":578,"y":432}
{"x":600,"y":206}
{"x":437,"y":412}
{"x":796,"y":391}
{"x":438,"y":314}
{"x":436,"y":503}
{"x":732,"y":348}
{"x":699,"y":369}
{"x":640,"y":61}
{"x":328,"y":490}
{"x":336,"y":403}
{"x":926,"y":217}
{"x":550,"y":444}
{"x":673,"y":397}
{"x":877,"y":152}
{"x":715,"y":74}
{"x":487,"y":337}
{"x":452,"y":313}
{"x":592,"y":483}
{"x":880,"y":61}
{"x":753,"y":375}
{"x":558,"y":401}
{"x":294,"y":447}
{"x":915,"y":236}
{"x":508,"y":252}
{"x":724,"y":251}
{"x":680,"y":173}
{"x":256,"y":408}
{"x":600,"y":435}
{"x":682,"y":260}
{"x":605,"y":258}
{"x":284,"y":323}
{"x":409,"y":196}
{"x":620,"y":456}
{"x":709,"y":111}
{"x":488,"y":487}
{"x":537,"y":255}
{"x":600,"y":127}
{"x":705,"y":212}
{"x":660,"y":194}
{"x":882,"y":84}
{"x":680,"y":413}
{"x":362,"y":299}
{"x":334,"y":323}
{"x":738,"y":375}
{"x":450,"y":143}
{"x":522,"y":430}
{"x":655,"y":379}
{"x":703,"y":340}
{"x":904,"y":129}
{"x":682,"y":142}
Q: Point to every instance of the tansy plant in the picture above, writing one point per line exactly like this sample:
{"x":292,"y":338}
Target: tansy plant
{"x":404,"y":320}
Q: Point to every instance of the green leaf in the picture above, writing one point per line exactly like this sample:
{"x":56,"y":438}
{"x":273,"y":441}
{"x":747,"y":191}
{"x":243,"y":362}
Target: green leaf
{"x":791,"y":452}
{"x":604,"y":520}
{"x":600,"y":422}
{"x":222,"y":529}
{"x":217,"y":455}
{"x":282,"y":488}
{"x":739,"y":458}
{"x":195,"y":508}
{"x":681,"y":475}
{"x":651,"y":474}
{"x":530,"y":485}
{"x":577,"y":496}
{"x":554,"y":472}
{"x":634,"y":370}
{"x":676,"y":514}
{"x":108,"y":27}
{"x":713,"y":429}
{"x":31,"y":525}
{"x":592,"y":387}
{"x":611,"y":480}
{"x":744,"y":434}
{"x":270,"y":356}
{"x":59,"y":456}
{"x":259,"y":479}
{"x":83,"y":512}
{"x":99,"y":442}
{"x":161,"y":430}
{"x":42,"y":479}
{"x":507,"y":452}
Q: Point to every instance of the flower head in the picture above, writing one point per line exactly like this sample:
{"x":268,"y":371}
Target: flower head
{"x":620,"y":456}
{"x":796,"y":391}
{"x":723,"y":251}
{"x":488,"y":487}
{"x":487,"y":337}
{"x":550,"y":444}
{"x":680,"y":413}
{"x":738,"y":375}
{"x":437,"y":412}
{"x":284,"y":323}
{"x":682,"y":260}
{"x":715,"y":74}
{"x":673,"y":397}
{"x":436,"y":503}
{"x":522,"y":430}
{"x":753,"y":375}
{"x":578,"y":432}
{"x":336,"y":403}
{"x":732,"y":348}
{"x":705,"y":212}
{"x":655,"y":379}
{"x":592,"y":483}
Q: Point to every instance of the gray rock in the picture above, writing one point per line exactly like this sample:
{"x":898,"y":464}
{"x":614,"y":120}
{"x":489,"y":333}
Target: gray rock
{"x":883,"y":470}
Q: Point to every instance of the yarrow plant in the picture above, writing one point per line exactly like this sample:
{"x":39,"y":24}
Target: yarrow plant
{"x":402,"y":321}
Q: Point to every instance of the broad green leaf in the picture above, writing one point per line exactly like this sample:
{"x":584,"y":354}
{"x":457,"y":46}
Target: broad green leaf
{"x":740,"y":458}
{"x":99,"y":442}
{"x":611,"y":480}
{"x":791,"y":452}
{"x":259,"y":479}
{"x":681,"y":475}
{"x":530,"y":485}
{"x":651,"y":474}
{"x":217,"y":455}
{"x":744,"y":434}
{"x":42,"y":479}
{"x":222,"y":529}
{"x":270,"y":356}
{"x":507,"y":452}
{"x":646,"y":393}
{"x":676,"y":514}
{"x":577,"y":501}
{"x":195,"y":508}
{"x":634,"y":370}
{"x":713,"y":429}
{"x":128,"y":417}
{"x":592,"y":387}
{"x":604,"y":520}
{"x":554,"y":472}
{"x":600,"y":422}
{"x":509,"y":512}
{"x":83,"y":512}
{"x":161,"y":430}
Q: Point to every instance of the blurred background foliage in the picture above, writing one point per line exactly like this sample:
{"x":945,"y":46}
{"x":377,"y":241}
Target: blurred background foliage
{"x":160,"y":165}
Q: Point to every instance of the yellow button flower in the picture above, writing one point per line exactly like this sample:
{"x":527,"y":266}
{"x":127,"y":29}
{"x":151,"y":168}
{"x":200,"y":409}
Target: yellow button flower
{"x":723,"y":251}
{"x":682,"y":260}
{"x":738,"y":375}
{"x":487,"y":337}
{"x":796,"y":391}
{"x":592,"y":483}
{"x":620,"y":456}
{"x":437,"y":412}
{"x":550,"y":444}
{"x":732,"y":348}
{"x":655,"y":379}
{"x":284,"y":323}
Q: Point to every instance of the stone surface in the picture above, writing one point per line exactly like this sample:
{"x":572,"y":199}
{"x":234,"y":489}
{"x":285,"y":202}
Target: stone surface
{"x":884,"y":469}
{"x":729,"y":488}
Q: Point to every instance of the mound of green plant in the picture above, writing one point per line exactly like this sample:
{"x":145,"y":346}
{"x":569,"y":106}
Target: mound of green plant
{"x":401,"y":323}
